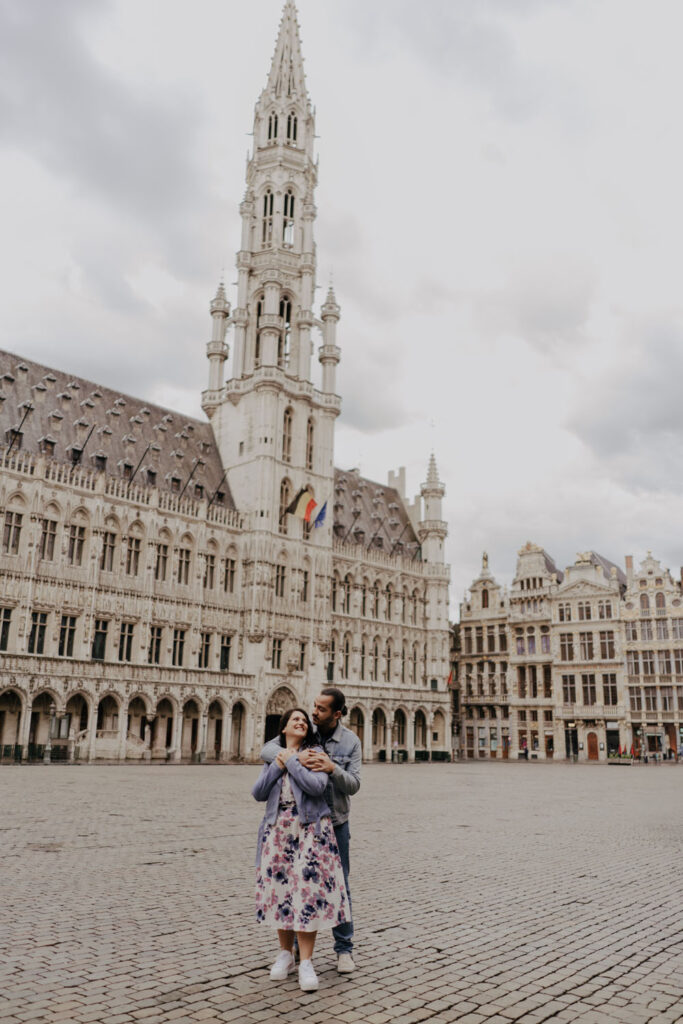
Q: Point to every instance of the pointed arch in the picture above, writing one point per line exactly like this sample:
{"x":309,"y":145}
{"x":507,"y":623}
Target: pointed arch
{"x":267,"y":218}
{"x":287,"y":421}
{"x":292,"y":128}
{"x":288,"y":208}
{"x":285,"y":499}
{"x":272,"y":126}
{"x":310,"y":442}
{"x":285,"y":339}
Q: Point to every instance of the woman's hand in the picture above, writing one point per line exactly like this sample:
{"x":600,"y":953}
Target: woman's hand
{"x":284,"y":755}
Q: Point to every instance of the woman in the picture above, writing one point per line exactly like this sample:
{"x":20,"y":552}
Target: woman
{"x":299,"y":880}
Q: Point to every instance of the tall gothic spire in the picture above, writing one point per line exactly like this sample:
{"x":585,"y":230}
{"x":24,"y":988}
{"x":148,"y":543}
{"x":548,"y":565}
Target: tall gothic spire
{"x":286,"y":80}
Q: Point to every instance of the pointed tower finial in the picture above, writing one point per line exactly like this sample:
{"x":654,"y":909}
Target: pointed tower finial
{"x":432,"y":471}
{"x":286,"y":79}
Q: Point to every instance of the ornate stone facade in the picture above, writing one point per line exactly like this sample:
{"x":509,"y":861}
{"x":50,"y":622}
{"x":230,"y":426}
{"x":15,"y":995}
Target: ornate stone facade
{"x":156,"y":600}
{"x":583,"y":664}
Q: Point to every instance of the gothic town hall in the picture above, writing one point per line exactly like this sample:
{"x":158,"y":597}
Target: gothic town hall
{"x":157,"y":601}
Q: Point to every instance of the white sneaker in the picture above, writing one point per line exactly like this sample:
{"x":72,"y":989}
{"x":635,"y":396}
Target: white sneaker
{"x":282,"y":966}
{"x":308,"y":979}
{"x":345,"y":964}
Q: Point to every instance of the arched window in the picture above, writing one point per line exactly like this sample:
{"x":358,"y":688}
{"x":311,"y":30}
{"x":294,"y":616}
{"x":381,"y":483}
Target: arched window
{"x":416,"y":598}
{"x":333,"y":594}
{"x":389,"y":596}
{"x":375,"y":599}
{"x":346,"y":595}
{"x":404,"y":606}
{"x":403,"y":663}
{"x":363,"y":649}
{"x":388,"y":657}
{"x":310,"y":429}
{"x":364,"y":598}
{"x":267,"y":219}
{"x":374,"y":661}
{"x":287,"y":435}
{"x":346,"y":657}
{"x":285,"y":337}
{"x":660,"y":601}
{"x":484,"y":598}
{"x":285,"y":498}
{"x":291,"y":128}
{"x":257,"y":344}
{"x":644,"y":602}
{"x":272,"y":127}
{"x":288,"y":219}
{"x":414,"y":666}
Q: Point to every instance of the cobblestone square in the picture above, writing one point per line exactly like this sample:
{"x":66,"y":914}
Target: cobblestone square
{"x":482,"y":893}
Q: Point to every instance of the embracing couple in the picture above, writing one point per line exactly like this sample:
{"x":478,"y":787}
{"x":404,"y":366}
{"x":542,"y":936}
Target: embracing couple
{"x":302,"y":862}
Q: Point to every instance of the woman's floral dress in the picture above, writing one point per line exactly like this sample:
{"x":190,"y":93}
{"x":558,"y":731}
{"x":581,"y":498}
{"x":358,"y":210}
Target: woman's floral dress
{"x":300,"y":882}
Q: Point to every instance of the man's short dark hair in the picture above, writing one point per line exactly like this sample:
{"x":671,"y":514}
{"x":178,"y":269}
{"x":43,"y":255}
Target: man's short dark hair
{"x":338,"y":698}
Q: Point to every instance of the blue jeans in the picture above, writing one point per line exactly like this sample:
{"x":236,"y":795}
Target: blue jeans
{"x":343,"y":933}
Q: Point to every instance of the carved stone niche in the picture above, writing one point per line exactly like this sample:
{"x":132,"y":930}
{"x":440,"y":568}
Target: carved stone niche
{"x":292,"y":655}
{"x":282,"y":700}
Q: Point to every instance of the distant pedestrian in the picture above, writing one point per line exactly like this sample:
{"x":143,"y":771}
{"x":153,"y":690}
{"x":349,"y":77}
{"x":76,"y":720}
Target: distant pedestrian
{"x":300,"y":884}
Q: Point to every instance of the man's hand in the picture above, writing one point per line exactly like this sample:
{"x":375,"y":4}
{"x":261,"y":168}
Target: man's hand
{"x":316,"y":761}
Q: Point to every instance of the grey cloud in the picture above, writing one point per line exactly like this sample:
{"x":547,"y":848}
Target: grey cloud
{"x":134,"y":150}
{"x":371,"y":388}
{"x":632,"y":417}
{"x":549,"y":305}
{"x":468,"y":40}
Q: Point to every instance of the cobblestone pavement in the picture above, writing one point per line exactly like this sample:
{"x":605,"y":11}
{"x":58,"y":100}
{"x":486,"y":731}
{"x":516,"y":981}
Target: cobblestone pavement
{"x":482,"y":893}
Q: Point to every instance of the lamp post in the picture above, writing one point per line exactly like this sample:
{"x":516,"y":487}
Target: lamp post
{"x":47,"y":756}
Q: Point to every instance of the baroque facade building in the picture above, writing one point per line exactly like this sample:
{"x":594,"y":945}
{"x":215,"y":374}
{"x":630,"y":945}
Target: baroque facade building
{"x":582,"y":664}
{"x":156,"y":599}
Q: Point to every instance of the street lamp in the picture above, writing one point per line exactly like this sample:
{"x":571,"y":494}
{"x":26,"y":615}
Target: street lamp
{"x":47,"y":756}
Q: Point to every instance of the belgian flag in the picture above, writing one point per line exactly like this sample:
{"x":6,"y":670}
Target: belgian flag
{"x":303,"y":505}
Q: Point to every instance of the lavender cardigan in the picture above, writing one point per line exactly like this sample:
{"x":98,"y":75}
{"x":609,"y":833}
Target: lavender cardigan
{"x":308,"y":789}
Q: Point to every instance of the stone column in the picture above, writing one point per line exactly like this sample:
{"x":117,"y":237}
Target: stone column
{"x":123,"y":733}
{"x":91,"y":737}
{"x":176,"y":741}
{"x":410,"y":738}
{"x":387,"y":738}
{"x":430,"y":727}
{"x":367,"y":740}
{"x":24,"y":728}
{"x":226,"y":735}
{"x":203,"y":728}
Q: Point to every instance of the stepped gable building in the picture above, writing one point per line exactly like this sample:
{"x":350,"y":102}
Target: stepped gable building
{"x":156,"y":600}
{"x":577,"y":665}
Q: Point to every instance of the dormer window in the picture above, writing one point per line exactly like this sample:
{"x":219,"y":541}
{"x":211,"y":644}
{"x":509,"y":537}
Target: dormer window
{"x":127,"y":470}
{"x":272,"y":127}
{"x":267,"y":219}
{"x":100,"y":463}
{"x":288,"y":219}
{"x":291,"y":129}
{"x":152,"y":477}
{"x":175,"y":484}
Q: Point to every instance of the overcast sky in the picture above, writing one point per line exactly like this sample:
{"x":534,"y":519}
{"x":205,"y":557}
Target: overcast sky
{"x":499,"y":202}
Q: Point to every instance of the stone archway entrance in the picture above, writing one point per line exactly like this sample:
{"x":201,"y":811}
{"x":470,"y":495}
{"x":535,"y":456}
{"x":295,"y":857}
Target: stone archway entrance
{"x":282,"y":700}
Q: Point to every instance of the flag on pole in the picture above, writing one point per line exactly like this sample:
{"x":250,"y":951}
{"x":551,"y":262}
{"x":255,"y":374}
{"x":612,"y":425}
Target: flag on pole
{"x":320,"y":518}
{"x":302,"y":506}
{"x":449,"y":681}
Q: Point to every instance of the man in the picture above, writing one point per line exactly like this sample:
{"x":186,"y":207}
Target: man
{"x":341,"y":760}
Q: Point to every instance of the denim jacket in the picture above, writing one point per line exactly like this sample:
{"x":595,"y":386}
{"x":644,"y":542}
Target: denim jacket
{"x":308,"y":789}
{"x":343,"y":747}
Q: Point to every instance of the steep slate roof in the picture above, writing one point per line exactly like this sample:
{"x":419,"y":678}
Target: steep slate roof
{"x":607,"y":567}
{"x":551,"y":567}
{"x":364,"y":510}
{"x":67,"y":408}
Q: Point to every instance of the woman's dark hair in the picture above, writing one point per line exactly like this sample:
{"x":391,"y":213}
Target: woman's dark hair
{"x":338,"y":698}
{"x":309,"y":739}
